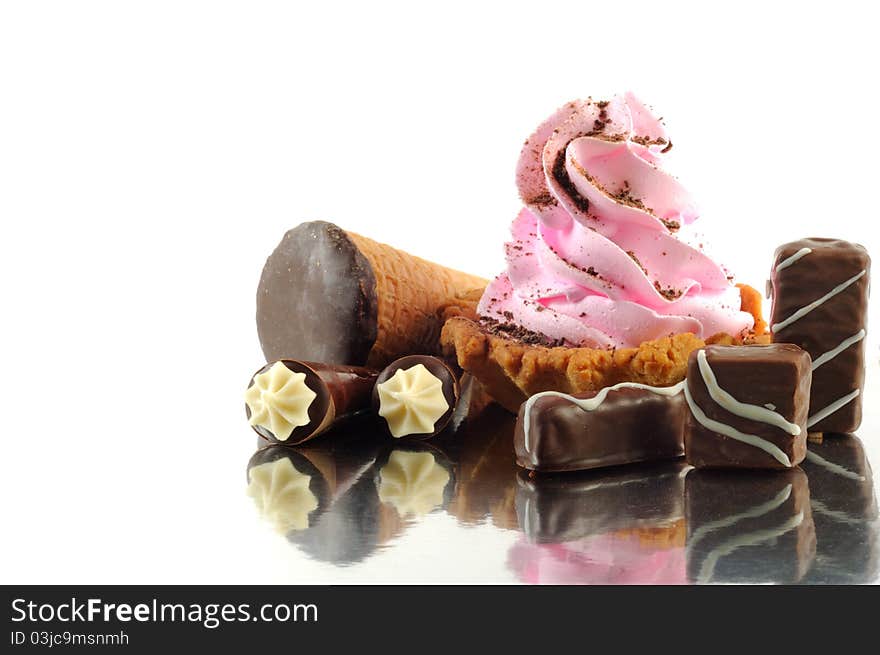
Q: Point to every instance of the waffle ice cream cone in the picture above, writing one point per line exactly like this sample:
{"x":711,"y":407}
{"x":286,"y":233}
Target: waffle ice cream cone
{"x":338,"y":297}
{"x":415,"y":298}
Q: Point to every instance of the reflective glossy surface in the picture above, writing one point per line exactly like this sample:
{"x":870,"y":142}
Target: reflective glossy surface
{"x":460,"y":504}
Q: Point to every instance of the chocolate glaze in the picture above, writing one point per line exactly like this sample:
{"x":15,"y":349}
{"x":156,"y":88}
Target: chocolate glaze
{"x":317,"y":298}
{"x":733,"y":514}
{"x":778,"y":374}
{"x":439,"y":369}
{"x":831,"y":262}
{"x":631,"y":425}
{"x":560,"y":508}
{"x":342,"y":391}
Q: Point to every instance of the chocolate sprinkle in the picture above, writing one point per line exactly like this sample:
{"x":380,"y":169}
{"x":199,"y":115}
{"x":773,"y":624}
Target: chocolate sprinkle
{"x":542,"y":200}
{"x":632,"y":256}
{"x":648,"y":141}
{"x":669,"y":293}
{"x":561,"y":176}
{"x":519,"y":333}
{"x":625,"y":196}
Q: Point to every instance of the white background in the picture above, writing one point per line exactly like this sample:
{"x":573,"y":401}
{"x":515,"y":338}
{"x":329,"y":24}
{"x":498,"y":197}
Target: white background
{"x":153,"y":153}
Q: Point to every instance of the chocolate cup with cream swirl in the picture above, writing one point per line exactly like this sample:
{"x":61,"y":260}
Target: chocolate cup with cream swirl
{"x":416,"y":396}
{"x":292,"y":401}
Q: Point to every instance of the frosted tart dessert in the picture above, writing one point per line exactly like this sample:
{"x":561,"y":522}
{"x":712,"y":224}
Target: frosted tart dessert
{"x":606,"y":281}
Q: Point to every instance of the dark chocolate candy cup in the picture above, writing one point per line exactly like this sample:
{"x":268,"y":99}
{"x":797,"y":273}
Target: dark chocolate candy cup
{"x":341,"y":391}
{"x":439,"y":369}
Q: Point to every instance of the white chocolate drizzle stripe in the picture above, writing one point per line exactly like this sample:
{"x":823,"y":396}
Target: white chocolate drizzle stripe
{"x":834,"y":352}
{"x":841,"y":517}
{"x":785,"y":263}
{"x":730,"y":431}
{"x":589,"y":404}
{"x":834,"y":468}
{"x":707,"y":570}
{"x":734,"y":406}
{"x":751,"y":513}
{"x":825,"y":412}
{"x":803,"y":311}
{"x":610,"y":484}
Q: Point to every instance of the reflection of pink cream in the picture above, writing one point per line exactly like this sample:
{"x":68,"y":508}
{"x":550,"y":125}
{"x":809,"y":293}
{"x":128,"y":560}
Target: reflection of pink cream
{"x":604,"y":559}
{"x":597,"y":257}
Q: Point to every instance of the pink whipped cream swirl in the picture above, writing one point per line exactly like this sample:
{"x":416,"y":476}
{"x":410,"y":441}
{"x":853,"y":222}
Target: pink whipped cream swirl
{"x":599,"y":255}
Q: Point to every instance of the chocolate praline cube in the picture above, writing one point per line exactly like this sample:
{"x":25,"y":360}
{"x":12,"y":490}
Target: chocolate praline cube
{"x":820,"y":302}
{"x":748,"y":406}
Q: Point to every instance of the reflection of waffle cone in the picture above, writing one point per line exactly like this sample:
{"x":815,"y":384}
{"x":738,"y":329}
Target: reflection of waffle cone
{"x":415,"y":298}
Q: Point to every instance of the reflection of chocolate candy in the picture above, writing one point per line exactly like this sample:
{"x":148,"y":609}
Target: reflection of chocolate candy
{"x":347,"y":456}
{"x":349,"y":531}
{"x":820,"y":302}
{"x":560,"y":508}
{"x":414,"y":479}
{"x":337,"y":297}
{"x":487,"y":469}
{"x":287,"y":488}
{"x":290,"y":401}
{"x":844,"y":511}
{"x":416,"y":395}
{"x":618,"y":425}
{"x":748,"y":406}
{"x":748,"y":526}
{"x":349,"y":522}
